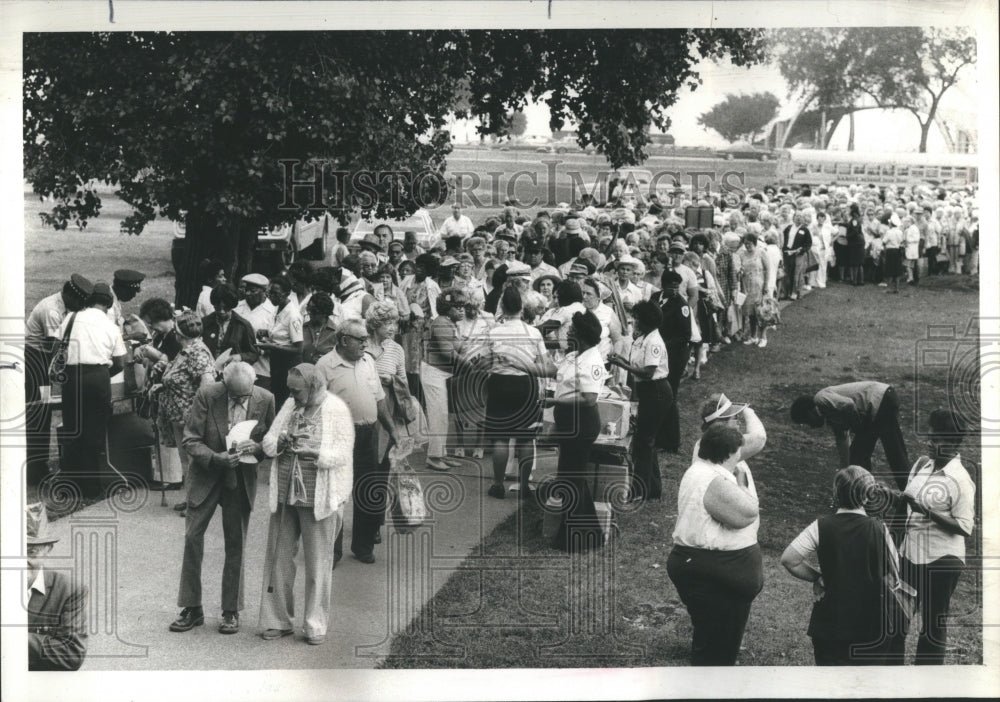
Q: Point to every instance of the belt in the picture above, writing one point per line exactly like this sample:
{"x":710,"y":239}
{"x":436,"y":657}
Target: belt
{"x":364,"y":425}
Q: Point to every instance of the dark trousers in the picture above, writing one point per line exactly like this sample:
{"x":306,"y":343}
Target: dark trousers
{"x":235,"y":518}
{"x":717,"y":587}
{"x":678,"y":353}
{"x":371,"y":483}
{"x":86,"y":410}
{"x":788,"y":282}
{"x":884,"y":428}
{"x":38,"y":417}
{"x":281,"y":363}
{"x":577,"y":426}
{"x":931,"y":254}
{"x":935,"y":583}
{"x":655,"y":399}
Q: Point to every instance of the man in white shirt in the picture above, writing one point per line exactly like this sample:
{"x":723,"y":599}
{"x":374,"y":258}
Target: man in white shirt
{"x":260,"y":312}
{"x":457,"y":225}
{"x":533,"y":257}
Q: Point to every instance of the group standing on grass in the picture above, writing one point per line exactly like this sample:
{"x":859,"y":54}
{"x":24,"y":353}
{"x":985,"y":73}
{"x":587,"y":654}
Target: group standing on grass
{"x":504,"y":334}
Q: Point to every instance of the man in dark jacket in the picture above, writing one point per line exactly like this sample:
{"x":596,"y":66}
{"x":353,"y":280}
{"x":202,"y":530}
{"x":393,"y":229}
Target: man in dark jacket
{"x":57,"y":637}
{"x":796,"y":241}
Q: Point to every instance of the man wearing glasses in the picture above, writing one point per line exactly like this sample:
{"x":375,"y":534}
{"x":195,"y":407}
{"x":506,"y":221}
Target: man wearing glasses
{"x":350,"y":374}
{"x":221,"y":475}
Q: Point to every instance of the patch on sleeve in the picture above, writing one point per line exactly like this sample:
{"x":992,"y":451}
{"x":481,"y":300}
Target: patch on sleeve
{"x":597,"y":372}
{"x":685,"y":311}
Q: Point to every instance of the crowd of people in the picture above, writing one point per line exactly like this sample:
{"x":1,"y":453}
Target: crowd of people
{"x":492,"y":338}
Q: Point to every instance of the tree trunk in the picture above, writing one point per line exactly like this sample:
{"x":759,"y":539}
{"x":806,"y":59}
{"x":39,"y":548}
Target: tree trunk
{"x":197,"y":245}
{"x":925,"y":130}
{"x":850,"y":133}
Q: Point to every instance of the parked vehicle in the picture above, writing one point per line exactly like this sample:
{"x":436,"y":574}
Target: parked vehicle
{"x":746,"y":150}
{"x":419,"y":222}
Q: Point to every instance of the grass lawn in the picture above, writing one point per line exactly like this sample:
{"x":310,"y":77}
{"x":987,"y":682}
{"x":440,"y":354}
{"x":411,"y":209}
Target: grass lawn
{"x":521,"y":604}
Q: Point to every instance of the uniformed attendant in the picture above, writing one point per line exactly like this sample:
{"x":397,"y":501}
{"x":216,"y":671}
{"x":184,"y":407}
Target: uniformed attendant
{"x":125,"y":286}
{"x":675,"y":326}
{"x":40,"y":340}
{"x":648,"y":364}
{"x":96,"y":352}
{"x":260,"y":312}
{"x":579,"y":379}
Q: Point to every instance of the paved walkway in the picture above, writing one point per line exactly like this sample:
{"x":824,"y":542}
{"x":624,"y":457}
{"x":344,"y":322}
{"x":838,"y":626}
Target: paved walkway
{"x":130,"y":557}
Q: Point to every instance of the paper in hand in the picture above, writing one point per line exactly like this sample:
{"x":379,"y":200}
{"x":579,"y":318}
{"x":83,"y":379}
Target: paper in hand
{"x":241,"y":432}
{"x":221,"y":361}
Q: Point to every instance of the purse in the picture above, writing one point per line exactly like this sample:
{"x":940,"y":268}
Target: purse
{"x":812,"y":261}
{"x":57,"y":366}
{"x":902,"y":592}
{"x":409,"y":509}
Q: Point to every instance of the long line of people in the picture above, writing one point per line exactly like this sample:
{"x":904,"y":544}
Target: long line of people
{"x":490,"y":325}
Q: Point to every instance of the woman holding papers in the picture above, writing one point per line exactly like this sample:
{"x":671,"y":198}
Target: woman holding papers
{"x":312,"y":438}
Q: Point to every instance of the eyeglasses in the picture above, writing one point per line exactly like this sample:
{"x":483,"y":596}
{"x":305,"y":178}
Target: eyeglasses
{"x":359,"y":339}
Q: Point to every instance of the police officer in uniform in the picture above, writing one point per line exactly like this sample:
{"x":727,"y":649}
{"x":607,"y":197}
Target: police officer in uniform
{"x":125,"y":286}
{"x":675,"y":327}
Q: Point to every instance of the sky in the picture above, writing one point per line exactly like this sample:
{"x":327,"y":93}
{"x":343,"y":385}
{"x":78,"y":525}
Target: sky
{"x":874,"y":130}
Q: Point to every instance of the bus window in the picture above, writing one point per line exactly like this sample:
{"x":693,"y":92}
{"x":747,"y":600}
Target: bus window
{"x":858,"y":169}
{"x":931,"y":171}
{"x":902,"y":171}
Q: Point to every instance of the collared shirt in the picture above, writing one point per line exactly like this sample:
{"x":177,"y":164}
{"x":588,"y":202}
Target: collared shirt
{"x":38,"y":584}
{"x":237,"y":410}
{"x":649,"y":350}
{"x":580,"y":372}
{"x":604,"y":315}
{"x":949,"y":490}
{"x":695,"y":527}
{"x":44,"y":321}
{"x":260,"y":317}
{"x":630,"y":292}
{"x":95,"y":339}
{"x":357,"y":384}
{"x":287,"y":327}
{"x":689,"y":280}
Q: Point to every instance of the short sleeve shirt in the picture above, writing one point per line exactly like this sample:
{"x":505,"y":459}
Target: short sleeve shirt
{"x":649,"y":350}
{"x":511,"y":339}
{"x":44,"y":321}
{"x":851,"y":405}
{"x":287,"y":326}
{"x":95,"y":339}
{"x":583,"y":372}
{"x":949,"y":490}
{"x":260,"y":317}
{"x":357,"y":384}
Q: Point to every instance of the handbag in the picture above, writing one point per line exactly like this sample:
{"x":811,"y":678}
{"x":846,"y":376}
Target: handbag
{"x":812,"y":261}
{"x":409,"y":509}
{"x":904,"y":595}
{"x":57,"y":366}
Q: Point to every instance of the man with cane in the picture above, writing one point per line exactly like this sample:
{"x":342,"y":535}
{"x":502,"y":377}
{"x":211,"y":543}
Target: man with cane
{"x":218,"y":477}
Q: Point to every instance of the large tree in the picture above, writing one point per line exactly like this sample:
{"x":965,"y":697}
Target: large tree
{"x":741,"y":116}
{"x":196,"y":126}
{"x":907,"y":68}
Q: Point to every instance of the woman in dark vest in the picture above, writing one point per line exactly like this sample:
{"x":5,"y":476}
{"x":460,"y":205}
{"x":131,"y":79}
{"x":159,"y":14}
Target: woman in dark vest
{"x":854,"y":617}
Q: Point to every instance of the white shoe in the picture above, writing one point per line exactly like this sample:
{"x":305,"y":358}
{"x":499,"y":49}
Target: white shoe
{"x":750,"y":342}
{"x":460,"y":452}
{"x":762,"y":343}
{"x":477,"y":453}
{"x":883,"y":285}
{"x":793,"y":296}
{"x":806,"y":288}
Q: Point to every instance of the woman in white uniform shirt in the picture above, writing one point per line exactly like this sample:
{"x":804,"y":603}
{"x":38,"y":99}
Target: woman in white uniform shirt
{"x":716,"y":563}
{"x":96,"y":352}
{"x":647,"y":362}
{"x":579,"y":380}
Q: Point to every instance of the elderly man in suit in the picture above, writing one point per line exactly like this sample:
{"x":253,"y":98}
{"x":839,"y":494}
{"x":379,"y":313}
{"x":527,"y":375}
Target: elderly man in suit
{"x":57,"y":637}
{"x":218,"y":477}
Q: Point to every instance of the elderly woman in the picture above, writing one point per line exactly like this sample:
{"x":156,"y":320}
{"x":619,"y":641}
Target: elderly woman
{"x":708,"y":296}
{"x":753,"y":265}
{"x":647,"y":362}
{"x":469,"y":382}
{"x":158,"y":315}
{"x":852,"y":618}
{"x":382,"y":321}
{"x":422,"y":293}
{"x":312,"y":438}
{"x":546,"y":285}
{"x":319,"y":333}
{"x":443,"y":346}
{"x":716,"y":562}
{"x":941,"y":498}
{"x":579,"y":379}
{"x":611,"y":329}
{"x":192,"y":368}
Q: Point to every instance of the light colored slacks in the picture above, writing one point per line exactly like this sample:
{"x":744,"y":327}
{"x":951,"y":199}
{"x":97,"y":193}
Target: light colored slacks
{"x":434,"y":381}
{"x":277,"y":609}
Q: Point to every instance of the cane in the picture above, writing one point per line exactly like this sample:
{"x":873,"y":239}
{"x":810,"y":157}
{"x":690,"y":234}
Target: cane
{"x":277,"y":535}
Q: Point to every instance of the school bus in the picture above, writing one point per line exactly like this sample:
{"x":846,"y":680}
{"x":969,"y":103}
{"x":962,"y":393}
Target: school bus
{"x":814,"y":167}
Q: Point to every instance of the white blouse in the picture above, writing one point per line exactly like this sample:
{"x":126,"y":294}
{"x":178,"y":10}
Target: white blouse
{"x":649,"y":350}
{"x":583,"y":372}
{"x":695,"y":527}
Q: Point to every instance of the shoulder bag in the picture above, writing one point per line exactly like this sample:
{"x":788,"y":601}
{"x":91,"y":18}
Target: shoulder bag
{"x":57,"y":366}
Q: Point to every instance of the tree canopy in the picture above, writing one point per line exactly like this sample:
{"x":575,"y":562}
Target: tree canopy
{"x":195,"y":126}
{"x":908,"y":68}
{"x":741,"y":116}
